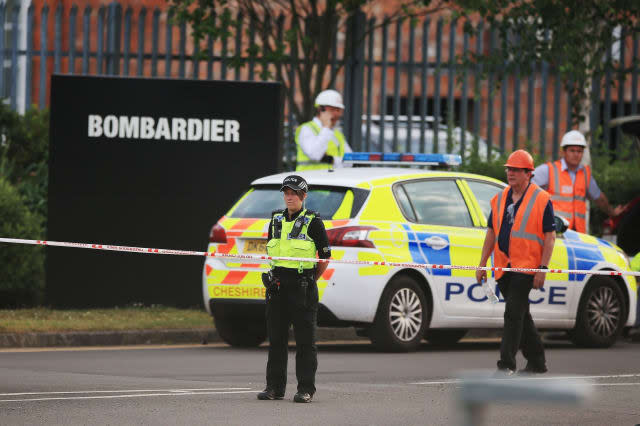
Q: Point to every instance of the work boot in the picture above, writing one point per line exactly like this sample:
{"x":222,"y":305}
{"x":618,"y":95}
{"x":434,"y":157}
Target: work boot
{"x":531,"y":370}
{"x":269,"y":394}
{"x":302,"y":397}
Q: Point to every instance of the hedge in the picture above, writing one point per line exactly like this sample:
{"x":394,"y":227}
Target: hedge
{"x":21,"y":266}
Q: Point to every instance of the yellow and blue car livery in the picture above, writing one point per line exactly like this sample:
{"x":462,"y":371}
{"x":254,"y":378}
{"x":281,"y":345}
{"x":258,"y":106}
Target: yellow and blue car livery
{"x":408,"y":215}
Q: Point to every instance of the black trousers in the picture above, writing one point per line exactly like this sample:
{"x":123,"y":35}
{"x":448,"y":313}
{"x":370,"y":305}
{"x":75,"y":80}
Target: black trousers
{"x":290,"y":305}
{"x":519,"y":329}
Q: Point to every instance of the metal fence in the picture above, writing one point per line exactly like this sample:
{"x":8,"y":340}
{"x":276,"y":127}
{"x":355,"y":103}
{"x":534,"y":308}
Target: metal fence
{"x":404,"y":86}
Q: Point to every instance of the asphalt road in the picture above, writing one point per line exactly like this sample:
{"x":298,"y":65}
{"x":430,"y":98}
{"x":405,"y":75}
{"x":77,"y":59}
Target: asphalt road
{"x":216,"y":384}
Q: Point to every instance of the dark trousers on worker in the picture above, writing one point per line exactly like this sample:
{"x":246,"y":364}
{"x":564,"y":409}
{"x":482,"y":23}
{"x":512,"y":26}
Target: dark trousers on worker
{"x":292,"y":305}
{"x":519,"y":329}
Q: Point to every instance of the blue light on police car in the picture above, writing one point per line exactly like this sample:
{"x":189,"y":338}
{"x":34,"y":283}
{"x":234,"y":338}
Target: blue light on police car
{"x":408,"y":158}
{"x":391,"y":156}
{"x":362,"y":156}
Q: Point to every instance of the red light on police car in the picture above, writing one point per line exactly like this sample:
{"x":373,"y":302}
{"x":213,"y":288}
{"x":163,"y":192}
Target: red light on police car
{"x":350,"y":236}
{"x":217,"y":234}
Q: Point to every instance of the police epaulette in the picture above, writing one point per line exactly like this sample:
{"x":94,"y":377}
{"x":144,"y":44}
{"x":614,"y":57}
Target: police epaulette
{"x":275,"y":212}
{"x":312,"y":213}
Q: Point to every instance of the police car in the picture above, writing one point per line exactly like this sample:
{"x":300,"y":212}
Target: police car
{"x":399,"y":214}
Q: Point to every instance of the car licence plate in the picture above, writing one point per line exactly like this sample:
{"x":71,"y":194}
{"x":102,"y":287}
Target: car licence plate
{"x":255,"y":246}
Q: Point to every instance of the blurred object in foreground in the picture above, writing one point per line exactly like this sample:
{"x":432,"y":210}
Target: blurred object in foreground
{"x":480,"y":388}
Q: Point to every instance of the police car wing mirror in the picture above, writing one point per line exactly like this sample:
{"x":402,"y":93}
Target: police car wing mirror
{"x":561,"y":224}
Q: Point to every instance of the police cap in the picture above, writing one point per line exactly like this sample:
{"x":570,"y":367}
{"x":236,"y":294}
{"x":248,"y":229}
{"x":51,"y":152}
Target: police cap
{"x":295,"y":182}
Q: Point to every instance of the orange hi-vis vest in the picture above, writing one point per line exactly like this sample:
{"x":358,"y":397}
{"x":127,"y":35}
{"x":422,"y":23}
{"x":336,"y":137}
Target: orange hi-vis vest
{"x":570,"y":199}
{"x":527,"y":235}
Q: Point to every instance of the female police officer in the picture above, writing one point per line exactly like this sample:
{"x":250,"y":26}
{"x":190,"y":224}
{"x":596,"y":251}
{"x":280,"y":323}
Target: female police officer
{"x":292,"y":293}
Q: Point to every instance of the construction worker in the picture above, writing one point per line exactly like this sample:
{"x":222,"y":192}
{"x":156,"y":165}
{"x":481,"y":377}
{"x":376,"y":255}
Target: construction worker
{"x":570,"y":183}
{"x":292,"y":291}
{"x":321,"y":145}
{"x":521,"y":234}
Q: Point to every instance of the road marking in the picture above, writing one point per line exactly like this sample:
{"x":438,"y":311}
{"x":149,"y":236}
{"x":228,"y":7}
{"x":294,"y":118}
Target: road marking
{"x":125,"y":396}
{"x":121,"y":391}
{"x":456,"y":381}
{"x":616,"y":384}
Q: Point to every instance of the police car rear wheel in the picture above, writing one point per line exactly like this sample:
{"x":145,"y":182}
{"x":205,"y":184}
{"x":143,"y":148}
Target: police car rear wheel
{"x":601,"y":314}
{"x":237,"y":332}
{"x":402,"y":316}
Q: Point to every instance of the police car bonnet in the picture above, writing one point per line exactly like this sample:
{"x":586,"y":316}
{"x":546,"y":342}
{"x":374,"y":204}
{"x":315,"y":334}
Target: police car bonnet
{"x":297,"y":183}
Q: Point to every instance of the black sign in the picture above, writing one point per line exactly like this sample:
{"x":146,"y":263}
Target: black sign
{"x":148,"y":163}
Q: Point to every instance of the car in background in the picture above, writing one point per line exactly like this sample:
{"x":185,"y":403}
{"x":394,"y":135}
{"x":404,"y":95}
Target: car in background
{"x":407,"y":215}
{"x":417,"y":134}
{"x":414,"y":134}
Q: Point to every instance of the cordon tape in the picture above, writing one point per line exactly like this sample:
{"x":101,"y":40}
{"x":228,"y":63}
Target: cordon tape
{"x":145,"y":250}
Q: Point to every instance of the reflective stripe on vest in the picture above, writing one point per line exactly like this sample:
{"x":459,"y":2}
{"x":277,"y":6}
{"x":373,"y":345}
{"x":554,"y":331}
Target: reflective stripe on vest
{"x":286,"y":246}
{"x":335,"y":148}
{"x":527,"y":236}
{"x":570,"y":205}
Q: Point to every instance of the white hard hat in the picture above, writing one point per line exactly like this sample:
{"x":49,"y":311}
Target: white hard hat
{"x":329,"y":98}
{"x":574,"y":138}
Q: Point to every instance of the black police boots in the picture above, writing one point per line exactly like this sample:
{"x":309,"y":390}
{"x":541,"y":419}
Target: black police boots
{"x":270,"y":394}
{"x":302,"y":397}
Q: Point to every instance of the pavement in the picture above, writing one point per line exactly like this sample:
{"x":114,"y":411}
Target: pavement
{"x":198,"y":336}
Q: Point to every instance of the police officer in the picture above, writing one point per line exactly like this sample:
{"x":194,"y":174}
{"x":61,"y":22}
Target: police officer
{"x":570,"y":183}
{"x":521,"y":234}
{"x":292,"y":292}
{"x":320,"y":144}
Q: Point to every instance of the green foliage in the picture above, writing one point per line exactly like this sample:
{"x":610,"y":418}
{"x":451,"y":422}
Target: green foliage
{"x":24,"y":154}
{"x":493,"y":168}
{"x":21,"y":266}
{"x":573,"y":36}
{"x":618,"y":176}
{"x":308,"y":32}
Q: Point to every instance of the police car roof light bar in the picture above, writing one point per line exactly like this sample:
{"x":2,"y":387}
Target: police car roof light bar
{"x":402,"y":159}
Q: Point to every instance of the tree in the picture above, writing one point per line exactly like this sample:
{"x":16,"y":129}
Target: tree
{"x":574,"y":36}
{"x":295,"y":37}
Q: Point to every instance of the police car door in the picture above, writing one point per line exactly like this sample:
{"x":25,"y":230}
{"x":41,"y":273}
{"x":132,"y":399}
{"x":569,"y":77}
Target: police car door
{"x":440,"y":230}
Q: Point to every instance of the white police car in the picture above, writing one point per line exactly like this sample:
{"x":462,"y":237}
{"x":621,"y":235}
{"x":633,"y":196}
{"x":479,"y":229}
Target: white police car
{"x":408,"y":215}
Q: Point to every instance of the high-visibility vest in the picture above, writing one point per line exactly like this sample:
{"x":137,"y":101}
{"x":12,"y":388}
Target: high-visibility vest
{"x":335,"y":148}
{"x":569,"y":199}
{"x":283,"y":244}
{"x":527,"y":235}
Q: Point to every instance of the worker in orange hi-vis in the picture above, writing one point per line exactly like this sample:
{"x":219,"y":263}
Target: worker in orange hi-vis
{"x":520,"y":234}
{"x":570,"y":183}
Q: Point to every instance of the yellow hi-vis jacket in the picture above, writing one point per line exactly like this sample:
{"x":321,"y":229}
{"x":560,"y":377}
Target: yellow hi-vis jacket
{"x":285,"y":245}
{"x":334,"y":149}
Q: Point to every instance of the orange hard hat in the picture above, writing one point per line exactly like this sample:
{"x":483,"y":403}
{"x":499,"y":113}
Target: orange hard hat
{"x":520,"y":159}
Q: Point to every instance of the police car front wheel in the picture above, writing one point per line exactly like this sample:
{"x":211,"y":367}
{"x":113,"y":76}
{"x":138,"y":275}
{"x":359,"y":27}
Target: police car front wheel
{"x":601,"y":314}
{"x":402,"y":316}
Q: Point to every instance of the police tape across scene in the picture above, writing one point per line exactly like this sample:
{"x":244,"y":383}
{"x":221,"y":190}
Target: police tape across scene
{"x":258,"y":258}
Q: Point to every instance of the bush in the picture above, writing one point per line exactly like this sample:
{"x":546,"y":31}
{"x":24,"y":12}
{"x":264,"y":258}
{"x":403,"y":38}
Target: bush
{"x":618,"y":176}
{"x":493,"y":168}
{"x":24,"y":154}
{"x":21,"y":266}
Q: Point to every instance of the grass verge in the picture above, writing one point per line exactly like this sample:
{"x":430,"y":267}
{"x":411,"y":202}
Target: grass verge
{"x":128,"y":318}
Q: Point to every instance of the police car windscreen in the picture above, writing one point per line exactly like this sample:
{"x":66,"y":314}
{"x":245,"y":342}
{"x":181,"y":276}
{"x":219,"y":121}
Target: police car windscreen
{"x":263,"y":200}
